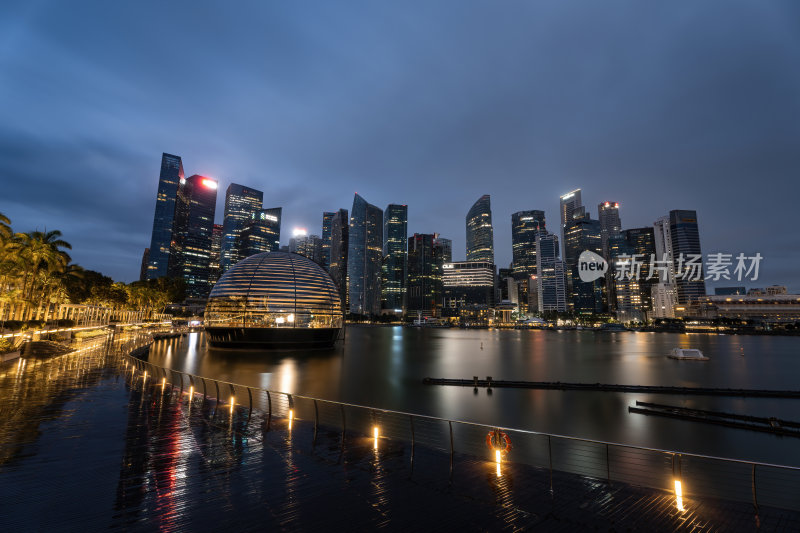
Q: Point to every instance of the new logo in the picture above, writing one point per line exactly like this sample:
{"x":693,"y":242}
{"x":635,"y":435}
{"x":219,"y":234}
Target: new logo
{"x":591,"y":266}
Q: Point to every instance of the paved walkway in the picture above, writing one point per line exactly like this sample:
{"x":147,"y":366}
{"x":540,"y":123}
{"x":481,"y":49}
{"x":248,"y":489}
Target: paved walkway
{"x":81,"y":449}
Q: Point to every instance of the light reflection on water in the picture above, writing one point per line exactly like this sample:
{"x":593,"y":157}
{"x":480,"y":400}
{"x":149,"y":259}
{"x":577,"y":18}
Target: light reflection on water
{"x":384,"y":367}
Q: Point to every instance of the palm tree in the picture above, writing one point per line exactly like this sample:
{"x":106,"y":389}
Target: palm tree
{"x":41,"y":254}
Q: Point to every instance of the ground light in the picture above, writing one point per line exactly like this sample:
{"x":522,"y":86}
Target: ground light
{"x":291,"y":417}
{"x":375,"y":433}
{"x":498,"y":459}
{"x":232,"y":404}
{"x":679,"y":495}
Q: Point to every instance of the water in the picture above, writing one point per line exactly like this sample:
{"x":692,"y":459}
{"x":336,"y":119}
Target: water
{"x":384,"y":366}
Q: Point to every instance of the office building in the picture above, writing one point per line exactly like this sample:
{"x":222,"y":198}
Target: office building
{"x":569,"y":204}
{"x":525,"y":225}
{"x":192,"y":230}
{"x":446,"y":248}
{"x":424,"y":276}
{"x":340,"y":241}
{"x":169,"y":180}
{"x":143,"y":267}
{"x":467,"y":283}
{"x":327,"y":220}
{"x":395,"y":258}
{"x":629,"y":267}
{"x":550,"y":278}
{"x":663,"y":292}
{"x":261,"y":233}
{"x":215,"y":271}
{"x":610,"y":224}
{"x":480,"y":235}
{"x":365,"y":258}
{"x":582,"y":234}
{"x":689,"y":282}
{"x":240,"y":203}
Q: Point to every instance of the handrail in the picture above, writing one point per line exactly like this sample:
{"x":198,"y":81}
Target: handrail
{"x":483,"y":425}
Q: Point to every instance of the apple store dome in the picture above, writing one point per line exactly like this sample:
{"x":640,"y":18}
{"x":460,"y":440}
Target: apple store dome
{"x":274,"y":300}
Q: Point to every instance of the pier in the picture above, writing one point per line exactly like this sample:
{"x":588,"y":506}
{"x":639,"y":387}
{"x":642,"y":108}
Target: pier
{"x":606,"y":387}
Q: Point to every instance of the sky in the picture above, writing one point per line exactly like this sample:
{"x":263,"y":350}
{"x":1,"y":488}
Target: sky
{"x":655,"y":105}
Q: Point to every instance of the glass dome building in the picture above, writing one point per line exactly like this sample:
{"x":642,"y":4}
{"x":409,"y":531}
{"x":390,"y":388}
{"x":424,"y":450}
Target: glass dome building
{"x":274,"y":300}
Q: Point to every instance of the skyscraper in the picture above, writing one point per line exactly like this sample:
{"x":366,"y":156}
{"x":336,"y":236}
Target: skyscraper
{"x":260,"y":233}
{"x":424,"y":275}
{"x":168,"y":182}
{"x":365,"y":257}
{"x":216,"y":245}
{"x":193,"y":226}
{"x":632,"y":247}
{"x":664,"y":296}
{"x":240,"y":203}
{"x":570,"y":202}
{"x":551,"y":293}
{"x":446,"y":248}
{"x":466,"y":283}
{"x":145,"y":261}
{"x":340,"y":242}
{"x":327,"y":220}
{"x":686,"y":245}
{"x":610,"y":224}
{"x":395,"y":256}
{"x":480,"y":235}
{"x":525,"y":225}
{"x":587,"y":296}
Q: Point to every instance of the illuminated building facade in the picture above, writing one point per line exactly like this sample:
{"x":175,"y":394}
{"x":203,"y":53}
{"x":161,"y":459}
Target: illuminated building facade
{"x":583,"y":234}
{"x":629,"y":252}
{"x":663,"y":295}
{"x":327,"y":221}
{"x":216,"y":245}
{"x":395,"y":257}
{"x":240,"y":203}
{"x":550,"y":280}
{"x":145,"y":261}
{"x":274,"y":300}
{"x":568,"y":204}
{"x":365,"y":258}
{"x":525,"y":225}
{"x":192,"y":230}
{"x":480,"y":235}
{"x":468,"y":283}
{"x":161,"y":240}
{"x":685,"y":235}
{"x":424,"y":275}
{"x":445,"y":248}
{"x":340,"y":241}
{"x":261,"y":233}
{"x":610,"y":224}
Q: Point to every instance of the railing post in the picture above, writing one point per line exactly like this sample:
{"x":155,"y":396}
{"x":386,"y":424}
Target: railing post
{"x":608,"y":466}
{"x":250,"y":398}
{"x":452,"y":449}
{"x":204,"y":390}
{"x":316,"y":423}
{"x":753,"y":481}
{"x":344,"y":430}
{"x":550,"y":458}
{"x":216,"y":404}
{"x":413,"y":442}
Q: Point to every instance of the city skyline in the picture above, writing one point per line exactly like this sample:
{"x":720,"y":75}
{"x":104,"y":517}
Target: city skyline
{"x":725,"y":120}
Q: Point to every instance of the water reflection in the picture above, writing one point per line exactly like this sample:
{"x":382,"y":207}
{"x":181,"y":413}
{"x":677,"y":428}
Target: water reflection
{"x":383,"y":367}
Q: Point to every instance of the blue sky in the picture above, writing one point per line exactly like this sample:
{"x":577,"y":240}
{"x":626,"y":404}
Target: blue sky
{"x":659,"y":106}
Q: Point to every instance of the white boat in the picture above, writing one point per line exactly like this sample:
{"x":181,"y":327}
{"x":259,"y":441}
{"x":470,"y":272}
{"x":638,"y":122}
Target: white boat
{"x":690,"y":354}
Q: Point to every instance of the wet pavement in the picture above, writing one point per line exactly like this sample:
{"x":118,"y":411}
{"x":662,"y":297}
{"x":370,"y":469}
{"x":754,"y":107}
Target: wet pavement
{"x":83,"y":446}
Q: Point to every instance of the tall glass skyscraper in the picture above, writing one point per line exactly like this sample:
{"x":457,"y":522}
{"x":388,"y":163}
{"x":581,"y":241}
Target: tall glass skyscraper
{"x":525,"y":225}
{"x":550,"y":279}
{"x":395,"y":257}
{"x":240,"y":203}
{"x":424,"y":275}
{"x":192,"y":230}
{"x":685,"y":236}
{"x":584,"y":234}
{"x":569,"y":203}
{"x":480,"y":235}
{"x":168,"y":182}
{"x":446,"y":248}
{"x":365,"y":258}
{"x":632,"y":295}
{"x":260,"y":233}
{"x":340,"y":242}
{"x":216,"y":246}
{"x":610,"y":224}
{"x":327,"y":220}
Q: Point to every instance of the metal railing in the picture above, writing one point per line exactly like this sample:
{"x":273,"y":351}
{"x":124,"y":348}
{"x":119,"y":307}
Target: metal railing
{"x":686,"y":475}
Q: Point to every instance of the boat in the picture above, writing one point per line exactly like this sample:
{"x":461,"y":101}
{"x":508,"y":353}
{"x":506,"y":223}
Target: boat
{"x":688,"y":354}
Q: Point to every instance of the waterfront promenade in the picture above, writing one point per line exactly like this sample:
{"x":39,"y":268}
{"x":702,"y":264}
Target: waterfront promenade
{"x":87,"y":444}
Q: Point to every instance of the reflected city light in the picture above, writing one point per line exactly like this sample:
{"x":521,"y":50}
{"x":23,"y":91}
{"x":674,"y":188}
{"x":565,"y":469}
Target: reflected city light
{"x":679,"y":495}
